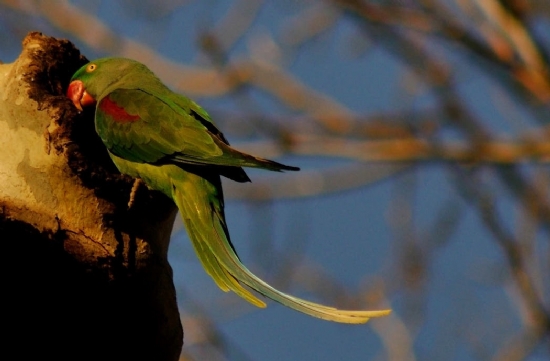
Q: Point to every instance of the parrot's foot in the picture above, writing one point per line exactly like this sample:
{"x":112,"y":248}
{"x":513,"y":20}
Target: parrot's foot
{"x":133,"y":192}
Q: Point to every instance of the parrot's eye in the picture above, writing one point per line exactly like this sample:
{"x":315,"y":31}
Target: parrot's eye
{"x":91,"y":68}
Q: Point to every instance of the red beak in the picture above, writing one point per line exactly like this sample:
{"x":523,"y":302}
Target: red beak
{"x":78,"y":95}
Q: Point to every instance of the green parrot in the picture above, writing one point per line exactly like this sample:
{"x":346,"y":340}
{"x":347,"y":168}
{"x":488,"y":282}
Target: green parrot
{"x":171,"y":144}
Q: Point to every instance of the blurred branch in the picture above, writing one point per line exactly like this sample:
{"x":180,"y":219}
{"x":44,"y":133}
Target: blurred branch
{"x":408,"y":150}
{"x":397,"y":340}
{"x":539,"y":317}
{"x":532,"y":72}
{"x":437,"y":74}
{"x":514,"y":32}
{"x":219,"y":40}
{"x":518,"y":347}
{"x":204,"y":341}
{"x":308,"y":24}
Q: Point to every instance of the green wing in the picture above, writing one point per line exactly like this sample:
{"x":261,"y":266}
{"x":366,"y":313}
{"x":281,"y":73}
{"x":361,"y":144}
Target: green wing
{"x":167,"y":129}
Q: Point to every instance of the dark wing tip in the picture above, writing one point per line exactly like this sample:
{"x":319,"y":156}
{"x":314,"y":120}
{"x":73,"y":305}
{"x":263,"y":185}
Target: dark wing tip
{"x":276,"y":166}
{"x":234,"y":173}
{"x":289,"y":167}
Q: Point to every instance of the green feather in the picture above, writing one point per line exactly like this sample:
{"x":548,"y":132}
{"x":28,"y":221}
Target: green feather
{"x":203,"y":216}
{"x":171,"y":143}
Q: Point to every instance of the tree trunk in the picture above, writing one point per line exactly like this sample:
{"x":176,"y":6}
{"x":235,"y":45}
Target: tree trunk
{"x":85,"y":276}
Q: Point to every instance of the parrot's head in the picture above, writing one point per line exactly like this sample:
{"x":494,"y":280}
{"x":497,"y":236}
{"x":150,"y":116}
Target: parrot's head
{"x":99,"y":77}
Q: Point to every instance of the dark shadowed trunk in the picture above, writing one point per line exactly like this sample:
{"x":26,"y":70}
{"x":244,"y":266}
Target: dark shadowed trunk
{"x":85,"y":278}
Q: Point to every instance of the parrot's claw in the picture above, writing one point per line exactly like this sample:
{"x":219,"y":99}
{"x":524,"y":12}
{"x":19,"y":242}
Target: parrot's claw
{"x":133,"y":192}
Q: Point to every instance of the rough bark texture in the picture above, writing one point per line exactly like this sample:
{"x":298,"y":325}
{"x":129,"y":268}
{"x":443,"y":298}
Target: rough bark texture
{"x":85,"y":278}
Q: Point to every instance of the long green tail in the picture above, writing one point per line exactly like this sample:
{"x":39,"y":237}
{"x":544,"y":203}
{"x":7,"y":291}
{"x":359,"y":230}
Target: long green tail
{"x":200,"y":201}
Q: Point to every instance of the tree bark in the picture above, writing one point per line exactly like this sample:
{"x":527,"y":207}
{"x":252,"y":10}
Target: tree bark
{"x":85,"y":276}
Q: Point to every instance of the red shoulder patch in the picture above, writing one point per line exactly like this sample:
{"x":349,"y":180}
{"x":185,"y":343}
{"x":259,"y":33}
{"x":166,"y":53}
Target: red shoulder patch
{"x":118,"y":113}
